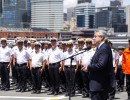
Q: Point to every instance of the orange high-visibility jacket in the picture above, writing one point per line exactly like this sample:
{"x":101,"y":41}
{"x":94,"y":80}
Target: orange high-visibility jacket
{"x":126,"y":61}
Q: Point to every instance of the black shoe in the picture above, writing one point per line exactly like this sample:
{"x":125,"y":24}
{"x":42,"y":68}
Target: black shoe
{"x":34,"y":91}
{"x":67,"y":94}
{"x":38,"y":91}
{"x":111,"y":98}
{"x":72,"y":95}
{"x":56,"y":93}
{"x":18,"y":90}
{"x":23,"y":90}
{"x":2,"y":88}
{"x":6,"y":89}
{"x":85,"y":95}
{"x":51,"y":93}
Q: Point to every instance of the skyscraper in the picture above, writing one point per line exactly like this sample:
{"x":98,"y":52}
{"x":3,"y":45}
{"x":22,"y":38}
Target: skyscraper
{"x":47,"y":14}
{"x":14,"y":13}
{"x":70,"y":13}
{"x":116,"y":3}
{"x":128,"y":17}
{"x":0,"y":7}
{"x":85,"y":15}
{"x":111,"y":17}
{"x":84,"y":1}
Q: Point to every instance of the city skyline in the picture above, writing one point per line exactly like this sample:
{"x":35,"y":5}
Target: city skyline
{"x":99,"y":3}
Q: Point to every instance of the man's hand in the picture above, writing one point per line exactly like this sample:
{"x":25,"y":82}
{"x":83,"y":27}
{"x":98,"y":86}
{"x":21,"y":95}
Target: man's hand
{"x":8,"y":65}
{"x":115,"y":71}
{"x":41,"y":71}
{"x":84,"y":68}
{"x":60,"y":69}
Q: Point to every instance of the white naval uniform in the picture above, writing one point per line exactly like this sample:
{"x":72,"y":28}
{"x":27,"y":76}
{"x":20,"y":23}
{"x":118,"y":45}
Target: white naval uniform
{"x":5,"y":54}
{"x":69,"y":54}
{"x":86,"y":57}
{"x":54,"y":55}
{"x":21,"y":56}
{"x":37,"y":59}
{"x":115,"y":57}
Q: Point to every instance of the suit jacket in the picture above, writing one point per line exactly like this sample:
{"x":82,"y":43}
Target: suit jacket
{"x":101,"y":69}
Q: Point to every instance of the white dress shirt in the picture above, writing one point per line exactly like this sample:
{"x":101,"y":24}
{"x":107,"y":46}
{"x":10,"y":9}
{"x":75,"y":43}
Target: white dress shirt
{"x":55,"y":55}
{"x":5,"y":54}
{"x":69,"y":54}
{"x":37,"y":59}
{"x":21,"y":56}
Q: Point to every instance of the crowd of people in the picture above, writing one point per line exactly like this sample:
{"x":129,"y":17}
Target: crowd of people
{"x":98,"y":71}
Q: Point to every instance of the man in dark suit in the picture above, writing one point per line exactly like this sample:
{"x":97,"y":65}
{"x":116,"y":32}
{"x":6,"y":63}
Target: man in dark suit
{"x":100,"y":69}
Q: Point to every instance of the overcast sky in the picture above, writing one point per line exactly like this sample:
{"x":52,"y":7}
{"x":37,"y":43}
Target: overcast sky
{"x":99,"y":3}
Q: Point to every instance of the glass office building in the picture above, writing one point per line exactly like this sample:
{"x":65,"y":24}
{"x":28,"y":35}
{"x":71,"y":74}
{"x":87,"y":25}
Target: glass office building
{"x":85,"y":15}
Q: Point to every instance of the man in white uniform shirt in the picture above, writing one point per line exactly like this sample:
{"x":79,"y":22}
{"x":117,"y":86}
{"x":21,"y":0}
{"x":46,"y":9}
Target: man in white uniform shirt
{"x":37,"y":65}
{"x":115,"y":67}
{"x":79,"y":80}
{"x":70,"y":71}
{"x":54,"y":58}
{"x":120,"y":75}
{"x":5,"y":63}
{"x":22,"y":64}
{"x":85,"y":61}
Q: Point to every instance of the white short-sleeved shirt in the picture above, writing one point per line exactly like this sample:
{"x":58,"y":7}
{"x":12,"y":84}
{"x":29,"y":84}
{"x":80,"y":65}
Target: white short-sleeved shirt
{"x":45,"y":51}
{"x":14,"y":49}
{"x":115,"y":57}
{"x":37,"y":59}
{"x":80,"y":55}
{"x":21,"y":56}
{"x":55,"y":55}
{"x":87,"y":57}
{"x":5,"y":54}
{"x":69,"y":54}
{"x":30,"y":50}
{"x":120,"y":60}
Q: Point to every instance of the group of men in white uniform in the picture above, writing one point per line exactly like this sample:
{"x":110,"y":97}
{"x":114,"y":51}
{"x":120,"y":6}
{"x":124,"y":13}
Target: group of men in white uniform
{"x":30,"y":58}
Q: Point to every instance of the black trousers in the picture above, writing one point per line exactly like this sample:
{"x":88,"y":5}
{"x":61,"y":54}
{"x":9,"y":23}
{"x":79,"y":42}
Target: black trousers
{"x":36,"y":78}
{"x":54,"y":76}
{"x":5,"y":83}
{"x":46,"y":76}
{"x":112,"y":89}
{"x":128,"y":83}
{"x":62,"y":80}
{"x":85,"y":78}
{"x":100,"y":95}
{"x":78,"y":79}
{"x":22,"y":76}
{"x":120,"y":78}
{"x":70,"y":79}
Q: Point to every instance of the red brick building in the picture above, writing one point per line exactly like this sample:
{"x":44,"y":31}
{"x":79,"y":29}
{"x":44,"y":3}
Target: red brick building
{"x":4,"y":34}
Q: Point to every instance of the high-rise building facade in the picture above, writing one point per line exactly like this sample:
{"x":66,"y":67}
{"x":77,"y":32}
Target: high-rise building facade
{"x":84,"y":1}
{"x":0,"y":7}
{"x":116,"y":3}
{"x":85,"y":15}
{"x":14,"y":14}
{"x":128,"y":17}
{"x":71,"y":13}
{"x":111,"y":17}
{"x":47,"y":14}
